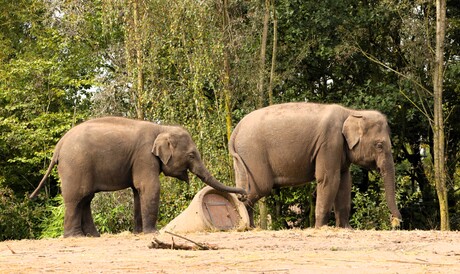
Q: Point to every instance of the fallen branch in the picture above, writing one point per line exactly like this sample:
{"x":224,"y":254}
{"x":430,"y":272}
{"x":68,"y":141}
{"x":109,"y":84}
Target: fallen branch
{"x":157,"y":244}
{"x":12,"y":251}
{"x":200,"y":245}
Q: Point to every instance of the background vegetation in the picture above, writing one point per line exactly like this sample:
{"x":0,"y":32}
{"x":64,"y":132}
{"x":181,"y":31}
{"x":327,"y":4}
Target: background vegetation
{"x":201,"y":64}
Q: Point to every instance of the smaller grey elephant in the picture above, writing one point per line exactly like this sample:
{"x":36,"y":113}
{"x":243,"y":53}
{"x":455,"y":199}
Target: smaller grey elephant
{"x":113,"y":153}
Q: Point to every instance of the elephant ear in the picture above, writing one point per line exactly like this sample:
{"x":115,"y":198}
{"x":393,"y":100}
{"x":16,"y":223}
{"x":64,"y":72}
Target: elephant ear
{"x":163,"y":147}
{"x":353,"y":130}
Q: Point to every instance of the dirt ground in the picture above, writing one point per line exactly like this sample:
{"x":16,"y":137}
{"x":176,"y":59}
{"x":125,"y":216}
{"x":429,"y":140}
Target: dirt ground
{"x":290,"y":251}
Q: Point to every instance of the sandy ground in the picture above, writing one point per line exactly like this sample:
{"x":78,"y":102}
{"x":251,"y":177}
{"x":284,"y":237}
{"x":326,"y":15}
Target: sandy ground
{"x":291,"y":251}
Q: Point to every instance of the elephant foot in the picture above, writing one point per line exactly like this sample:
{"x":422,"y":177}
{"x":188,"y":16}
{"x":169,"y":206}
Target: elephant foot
{"x":93,"y":234}
{"x":137,"y":230}
{"x":145,"y":231}
{"x":248,"y":228}
{"x":322,"y":226}
{"x":151,"y":231}
{"x":73,"y":234}
{"x":80,"y":233}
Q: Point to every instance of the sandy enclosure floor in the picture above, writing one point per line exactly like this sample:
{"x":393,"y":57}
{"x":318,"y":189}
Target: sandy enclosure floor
{"x":290,"y":251}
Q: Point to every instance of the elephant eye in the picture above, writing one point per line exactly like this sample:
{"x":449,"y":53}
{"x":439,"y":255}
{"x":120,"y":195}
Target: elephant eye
{"x":379,"y":145}
{"x":191,"y":155}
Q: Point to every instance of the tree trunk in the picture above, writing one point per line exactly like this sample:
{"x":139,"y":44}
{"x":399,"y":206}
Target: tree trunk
{"x":263,"y":50}
{"x":275,"y":42}
{"x":261,"y":99}
{"x":139,"y":87}
{"x":438,"y":126}
{"x":226,"y":70}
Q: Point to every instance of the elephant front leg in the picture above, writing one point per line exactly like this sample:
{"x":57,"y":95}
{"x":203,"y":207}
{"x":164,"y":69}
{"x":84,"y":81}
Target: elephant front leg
{"x":150,"y":201}
{"x":137,"y":212}
{"x":342,"y":203}
{"x":326,"y":191}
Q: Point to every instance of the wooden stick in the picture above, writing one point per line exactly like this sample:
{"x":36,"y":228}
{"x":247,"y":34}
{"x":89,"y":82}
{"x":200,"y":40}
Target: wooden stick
{"x":202,"y":247}
{"x":162,"y":245}
{"x":157,"y":244}
{"x":12,"y":251}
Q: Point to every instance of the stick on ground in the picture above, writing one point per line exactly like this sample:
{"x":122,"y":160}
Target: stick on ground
{"x":157,"y":244}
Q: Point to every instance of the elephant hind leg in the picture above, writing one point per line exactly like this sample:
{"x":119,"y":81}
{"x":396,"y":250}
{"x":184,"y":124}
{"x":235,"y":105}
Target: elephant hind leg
{"x":88,"y":226}
{"x":253,"y":197}
{"x":72,"y":220}
{"x":78,"y":220}
{"x":250,"y":209}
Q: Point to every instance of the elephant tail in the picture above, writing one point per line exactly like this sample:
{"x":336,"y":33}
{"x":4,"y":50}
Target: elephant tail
{"x":42,"y":182}
{"x":241,"y":171}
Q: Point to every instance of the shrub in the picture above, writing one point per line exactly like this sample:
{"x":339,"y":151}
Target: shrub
{"x":53,"y":224}
{"x":370,"y":210}
{"x":113,"y":212}
{"x":19,"y":216}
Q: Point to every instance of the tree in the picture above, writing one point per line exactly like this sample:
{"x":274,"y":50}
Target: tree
{"x":46,"y":70}
{"x":438,"y":123}
{"x":200,"y":64}
{"x":135,"y":43}
{"x":274,"y":48}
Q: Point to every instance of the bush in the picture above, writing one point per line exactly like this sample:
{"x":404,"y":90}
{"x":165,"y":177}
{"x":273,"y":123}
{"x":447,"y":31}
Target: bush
{"x":175,"y":197}
{"x":19,"y":216}
{"x":113,"y":212}
{"x":53,"y":224}
{"x":292,"y":207}
{"x":370,"y":210}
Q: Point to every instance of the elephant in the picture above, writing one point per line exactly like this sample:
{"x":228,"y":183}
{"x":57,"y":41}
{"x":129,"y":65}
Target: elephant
{"x":114,"y":153}
{"x":291,"y":144}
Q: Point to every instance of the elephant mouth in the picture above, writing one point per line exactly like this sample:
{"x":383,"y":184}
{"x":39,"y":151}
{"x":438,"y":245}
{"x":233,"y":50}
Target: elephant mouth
{"x":372,"y":165}
{"x":183,"y":176}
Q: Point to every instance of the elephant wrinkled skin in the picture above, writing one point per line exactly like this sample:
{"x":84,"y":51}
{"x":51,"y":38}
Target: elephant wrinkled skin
{"x":295,"y":143}
{"x":113,"y":153}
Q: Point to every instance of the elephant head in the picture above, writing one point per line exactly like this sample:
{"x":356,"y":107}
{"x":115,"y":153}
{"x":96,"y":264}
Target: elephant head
{"x":178,"y":154}
{"x":367,"y":136}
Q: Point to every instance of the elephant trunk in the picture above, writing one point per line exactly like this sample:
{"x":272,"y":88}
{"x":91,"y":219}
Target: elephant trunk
{"x":387,"y":171}
{"x":204,"y":175}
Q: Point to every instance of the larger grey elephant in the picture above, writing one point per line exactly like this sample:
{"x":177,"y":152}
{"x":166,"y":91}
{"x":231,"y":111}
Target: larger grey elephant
{"x":295,"y":143}
{"x":114,"y":153}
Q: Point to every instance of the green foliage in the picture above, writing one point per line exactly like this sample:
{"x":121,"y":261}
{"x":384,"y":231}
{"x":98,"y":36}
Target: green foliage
{"x":26,"y":146}
{"x":370,"y":210}
{"x":60,"y":64}
{"x":43,"y":83}
{"x":175,"y":197}
{"x":19,"y":216}
{"x":292,"y":207}
{"x":113,"y":212}
{"x":53,"y":224}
